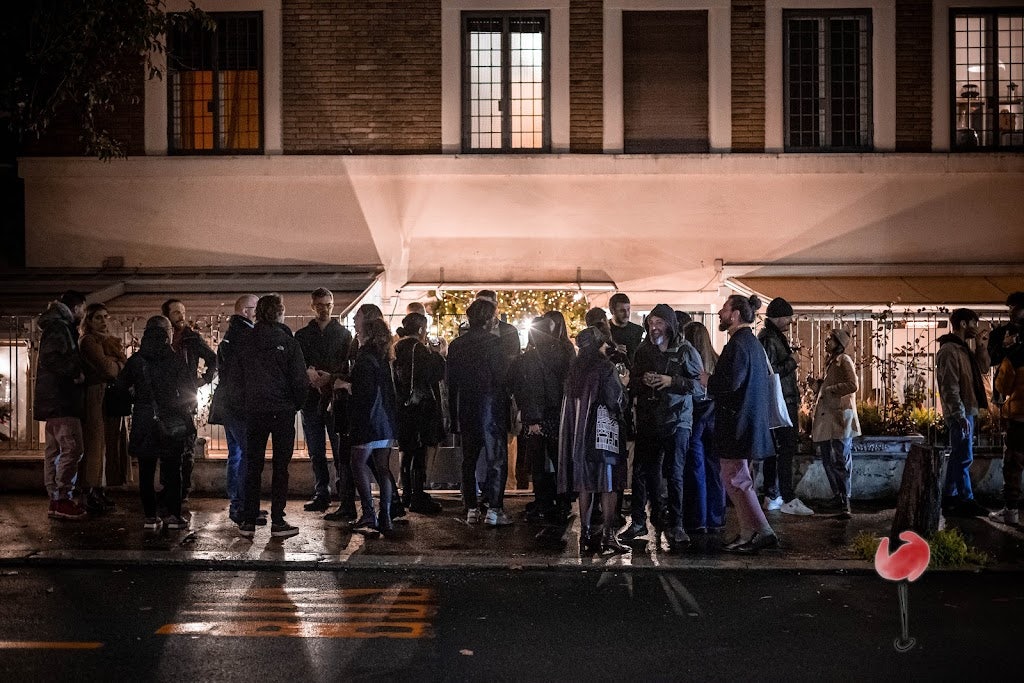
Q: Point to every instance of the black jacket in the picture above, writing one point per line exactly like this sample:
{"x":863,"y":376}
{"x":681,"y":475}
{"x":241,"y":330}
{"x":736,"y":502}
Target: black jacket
{"x":228,"y":401}
{"x":661,"y":412}
{"x":155,"y":366}
{"x":58,"y":365}
{"x":783,"y":360}
{"x":477,"y":389}
{"x":191,"y":348}
{"x":273,"y":371}
{"x":538,"y":383}
{"x":629,"y":335}
{"x":421,"y":424}
{"x":326,"y":350}
{"x":372,"y":406}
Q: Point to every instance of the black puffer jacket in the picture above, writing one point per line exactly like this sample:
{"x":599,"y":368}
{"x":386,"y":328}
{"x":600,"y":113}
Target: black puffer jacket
{"x":58,"y":365}
{"x":783,"y":360}
{"x":273,"y":371}
{"x":155,"y":366}
{"x":228,"y":402}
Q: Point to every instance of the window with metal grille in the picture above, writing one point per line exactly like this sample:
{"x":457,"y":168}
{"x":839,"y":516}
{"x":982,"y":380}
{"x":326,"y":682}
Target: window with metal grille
{"x":215,"y":86}
{"x":827,"y":66}
{"x":505,"y":99}
{"x":986,"y":79}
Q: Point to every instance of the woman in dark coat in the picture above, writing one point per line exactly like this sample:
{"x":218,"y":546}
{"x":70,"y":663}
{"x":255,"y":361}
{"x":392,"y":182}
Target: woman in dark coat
{"x":155,"y":375}
{"x":592,"y":456}
{"x":740,"y":387}
{"x":373,"y":426}
{"x":418,"y":374}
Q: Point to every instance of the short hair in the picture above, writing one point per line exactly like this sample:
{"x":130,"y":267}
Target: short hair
{"x":269,"y":308}
{"x":595,"y":315}
{"x":961,"y":315}
{"x":157,"y":327}
{"x":157,"y":321}
{"x":416,"y":307}
{"x":320,"y":292}
{"x":240,"y":302}
{"x":1015,"y":300}
{"x":370,"y":312}
{"x":72,"y":298}
{"x":488,"y":295}
{"x":165,"y":307}
{"x":746,"y":305}
{"x":618,"y":298}
{"x":412,"y":325}
{"x":480,"y":312}
{"x":377,"y":337}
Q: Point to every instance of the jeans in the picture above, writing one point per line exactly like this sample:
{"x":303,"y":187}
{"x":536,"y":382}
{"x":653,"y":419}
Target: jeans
{"x":837,"y":459}
{"x":234,"y":433}
{"x":317,"y":434}
{"x":170,"y":472}
{"x":64,"y":449}
{"x":260,"y":426}
{"x":369,"y":464}
{"x":703,"y":492}
{"x":778,"y":470}
{"x":491,"y":451}
{"x":961,"y":455}
{"x":1013,"y":464}
{"x":656,"y":458}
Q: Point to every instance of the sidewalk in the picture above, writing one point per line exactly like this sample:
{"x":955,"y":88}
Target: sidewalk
{"x":820,"y":543}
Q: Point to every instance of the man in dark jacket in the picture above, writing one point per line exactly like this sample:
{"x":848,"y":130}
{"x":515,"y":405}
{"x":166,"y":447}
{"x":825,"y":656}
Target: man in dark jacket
{"x":190,"y":348}
{"x":325,"y":347}
{"x":778,"y":470}
{"x":58,"y":401}
{"x":478,"y":399}
{"x":626,"y":334}
{"x":274,"y":385}
{"x":226,"y":408}
{"x":667,"y":371}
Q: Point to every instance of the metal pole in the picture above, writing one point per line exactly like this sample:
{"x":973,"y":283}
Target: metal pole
{"x":904,"y":643}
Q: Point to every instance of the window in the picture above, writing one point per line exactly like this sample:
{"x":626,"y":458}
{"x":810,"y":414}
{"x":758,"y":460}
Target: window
{"x":827,"y":67}
{"x":988,"y":68}
{"x":214,"y":81}
{"x":505,"y":98}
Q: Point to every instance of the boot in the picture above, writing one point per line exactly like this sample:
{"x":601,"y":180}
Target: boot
{"x":612,"y":543}
{"x":384,"y":523}
{"x":584,"y":540}
{"x":408,"y":490}
{"x":421,"y":502}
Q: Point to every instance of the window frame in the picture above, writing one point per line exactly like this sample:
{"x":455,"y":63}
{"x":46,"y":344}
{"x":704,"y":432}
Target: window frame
{"x":992,"y":56}
{"x":465,"y":90}
{"x":172,"y":150}
{"x":869,"y":97}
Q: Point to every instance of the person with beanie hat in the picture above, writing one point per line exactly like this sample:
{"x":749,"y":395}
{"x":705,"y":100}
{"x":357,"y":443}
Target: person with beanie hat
{"x":835,"y":421}
{"x":778,"y":470}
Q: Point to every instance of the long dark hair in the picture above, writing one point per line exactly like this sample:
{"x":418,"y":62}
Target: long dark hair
{"x":590,"y":358}
{"x":378,"y":339}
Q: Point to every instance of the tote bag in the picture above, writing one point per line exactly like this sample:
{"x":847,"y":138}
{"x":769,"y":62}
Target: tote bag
{"x":778,"y":414}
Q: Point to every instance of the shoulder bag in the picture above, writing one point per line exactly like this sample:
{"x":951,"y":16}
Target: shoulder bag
{"x":171,"y":429}
{"x":416,"y":394}
{"x":778,"y":414}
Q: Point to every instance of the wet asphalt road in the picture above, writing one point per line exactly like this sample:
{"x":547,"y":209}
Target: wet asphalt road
{"x":170,"y":624}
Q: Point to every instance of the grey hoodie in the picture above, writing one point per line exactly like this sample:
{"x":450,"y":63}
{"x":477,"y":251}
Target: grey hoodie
{"x":58,"y":366}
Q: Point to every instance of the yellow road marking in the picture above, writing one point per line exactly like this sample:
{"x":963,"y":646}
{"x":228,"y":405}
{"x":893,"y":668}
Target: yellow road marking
{"x":46,"y":645}
{"x":296,"y":629}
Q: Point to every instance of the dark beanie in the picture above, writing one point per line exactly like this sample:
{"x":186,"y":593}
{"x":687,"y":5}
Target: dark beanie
{"x":779,"y":308}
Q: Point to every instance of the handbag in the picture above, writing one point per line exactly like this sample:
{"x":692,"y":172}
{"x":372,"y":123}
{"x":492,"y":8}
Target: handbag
{"x":117,"y":402}
{"x":416,"y":394}
{"x":778,"y":413}
{"x":171,"y":429}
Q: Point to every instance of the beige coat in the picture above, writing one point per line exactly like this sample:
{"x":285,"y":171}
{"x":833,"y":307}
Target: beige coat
{"x":835,"y":412}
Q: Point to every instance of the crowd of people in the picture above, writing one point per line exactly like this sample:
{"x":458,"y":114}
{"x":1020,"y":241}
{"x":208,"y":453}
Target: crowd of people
{"x":654,"y":401}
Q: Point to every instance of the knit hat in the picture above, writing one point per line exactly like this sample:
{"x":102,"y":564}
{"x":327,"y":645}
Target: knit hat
{"x":778,"y":308}
{"x":841,"y":336}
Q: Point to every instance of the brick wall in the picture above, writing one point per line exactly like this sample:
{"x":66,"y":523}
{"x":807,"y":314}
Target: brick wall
{"x":747,"y":75}
{"x":361,"y":76}
{"x":586,"y":67}
{"x":913,"y":75}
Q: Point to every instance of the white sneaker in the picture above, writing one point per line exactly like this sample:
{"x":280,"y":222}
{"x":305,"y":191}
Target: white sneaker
{"x":497,"y":517}
{"x":796,"y":507}
{"x":1006,"y":515}
{"x":772,"y":504}
{"x":473,"y":516}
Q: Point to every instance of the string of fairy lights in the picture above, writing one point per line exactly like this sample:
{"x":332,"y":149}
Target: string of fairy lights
{"x":518,"y":307}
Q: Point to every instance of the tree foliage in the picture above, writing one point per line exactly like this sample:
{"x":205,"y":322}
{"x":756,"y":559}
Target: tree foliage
{"x":78,"y":57}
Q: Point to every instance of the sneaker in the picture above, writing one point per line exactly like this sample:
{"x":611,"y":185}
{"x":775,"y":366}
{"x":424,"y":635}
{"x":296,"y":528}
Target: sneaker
{"x":318,"y":504}
{"x":473,"y":516}
{"x":1007,"y":516}
{"x":151,"y":523}
{"x":772,"y":504}
{"x":342,"y":514}
{"x":283,"y":530}
{"x":796,"y":507}
{"x":966,"y":508}
{"x":175,"y":523}
{"x":247,"y":530}
{"x":497,"y":517}
{"x":634,"y":531}
{"x":68,"y":509}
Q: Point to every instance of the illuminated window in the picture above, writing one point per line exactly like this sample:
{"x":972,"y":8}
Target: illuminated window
{"x":987,"y":79}
{"x":505,"y":100}
{"x":827,"y":80}
{"x":214,"y":81}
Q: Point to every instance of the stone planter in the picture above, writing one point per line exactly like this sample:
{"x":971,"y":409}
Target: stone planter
{"x":877,"y":468}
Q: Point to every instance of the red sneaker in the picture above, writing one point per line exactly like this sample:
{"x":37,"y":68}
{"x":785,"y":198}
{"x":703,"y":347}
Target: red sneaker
{"x":68,"y":509}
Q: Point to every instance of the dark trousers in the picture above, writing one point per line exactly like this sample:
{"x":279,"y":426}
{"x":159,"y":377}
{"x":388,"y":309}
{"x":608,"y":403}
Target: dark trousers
{"x":703,"y":493}
{"x":653,"y":459}
{"x":170,"y":473}
{"x":492,"y":450}
{"x":542,"y":452}
{"x":281,"y":428}
{"x":344,"y":484}
{"x":317,"y":433}
{"x":183,"y":471}
{"x":777,"y":471}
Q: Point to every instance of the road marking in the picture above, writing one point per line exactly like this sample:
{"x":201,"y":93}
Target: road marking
{"x":46,"y":645}
{"x":398,"y":611}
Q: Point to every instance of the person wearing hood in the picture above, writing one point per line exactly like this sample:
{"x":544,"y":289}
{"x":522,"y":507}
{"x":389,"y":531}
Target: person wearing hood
{"x":962,"y":394}
{"x":58,"y":401}
{"x":478,"y":401}
{"x":274,"y":385}
{"x":538,"y":379}
{"x":835,"y":421}
{"x":666,"y":371}
{"x":161,"y":388}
